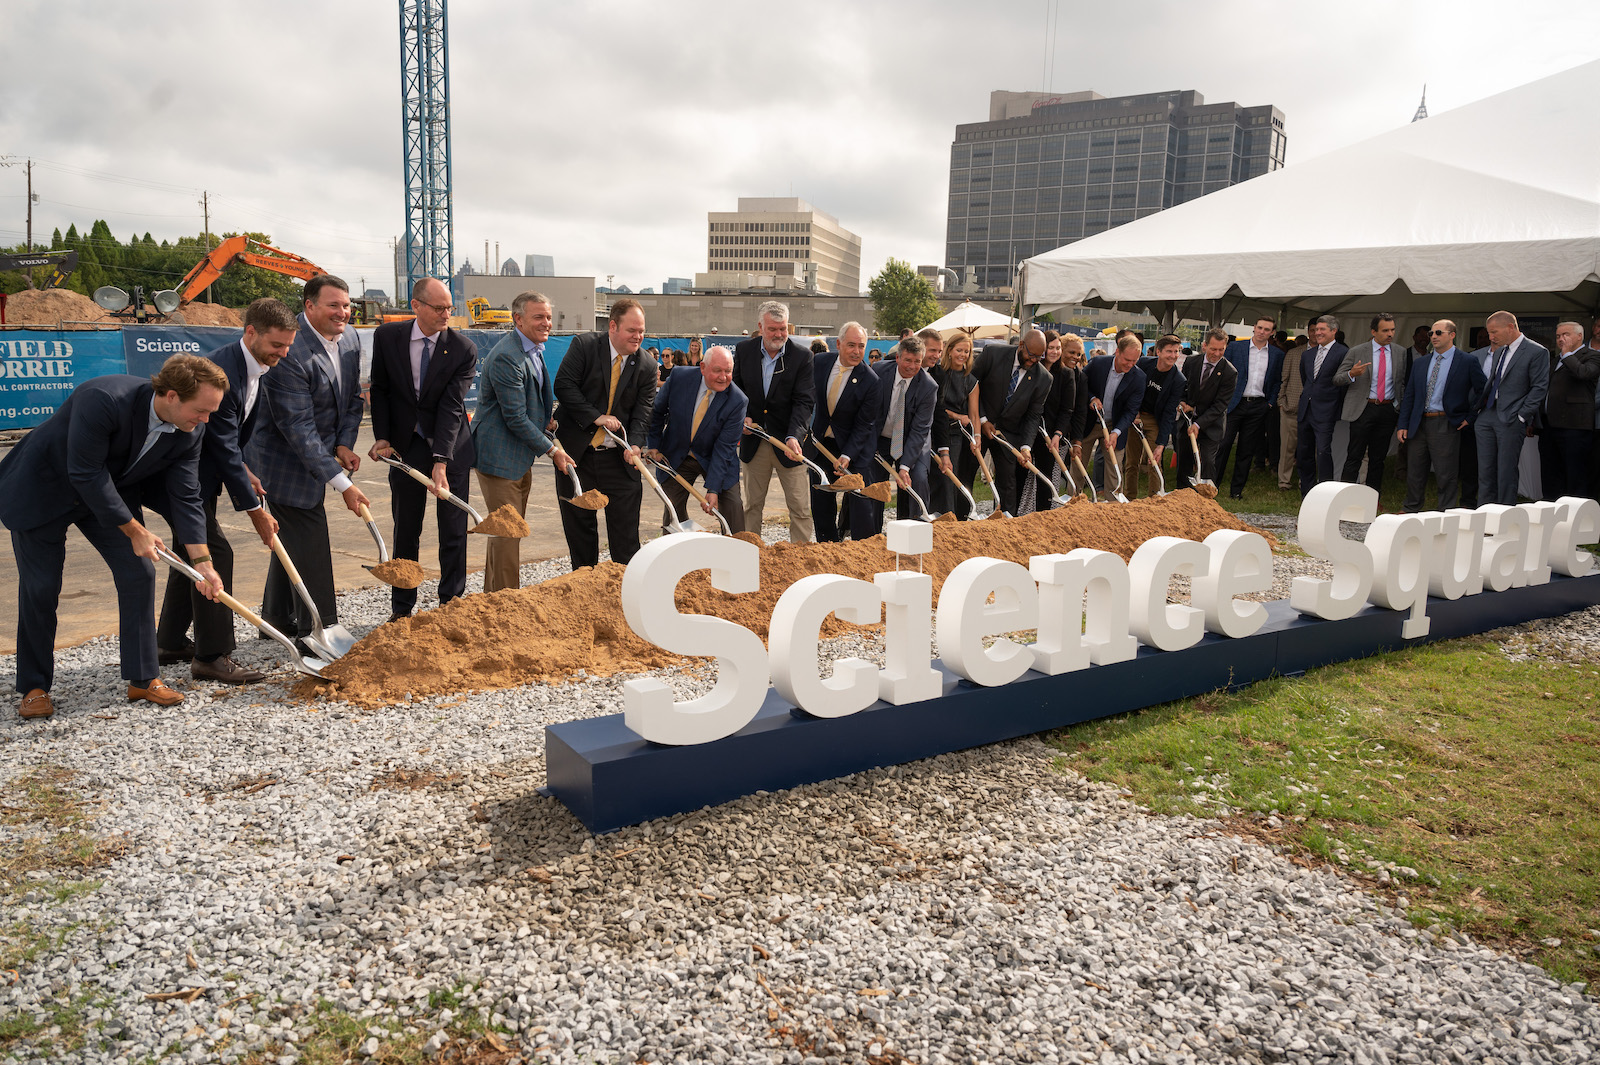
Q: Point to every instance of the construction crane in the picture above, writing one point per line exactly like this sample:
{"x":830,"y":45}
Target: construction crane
{"x":425,"y":125}
{"x":64,"y":263}
{"x":251,"y":252}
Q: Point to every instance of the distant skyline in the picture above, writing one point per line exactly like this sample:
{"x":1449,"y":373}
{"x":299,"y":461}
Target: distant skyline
{"x":602,"y":135}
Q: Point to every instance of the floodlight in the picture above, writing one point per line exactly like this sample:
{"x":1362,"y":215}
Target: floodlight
{"x":111,"y":298}
{"x":166,"y":300}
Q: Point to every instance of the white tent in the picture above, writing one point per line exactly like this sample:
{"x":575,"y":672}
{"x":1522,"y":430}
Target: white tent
{"x":1494,"y":204}
{"x":975,"y":321}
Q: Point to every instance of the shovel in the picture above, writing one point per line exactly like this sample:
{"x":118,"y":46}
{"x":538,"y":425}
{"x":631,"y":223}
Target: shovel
{"x":783,"y":450}
{"x":383,"y":550}
{"x":987,"y":476}
{"x":870,"y":491}
{"x":331,"y":642}
{"x":1195,"y":480}
{"x":676,"y":476}
{"x":1111,"y":456}
{"x":427,"y":482}
{"x":1026,"y":463}
{"x":649,"y":478}
{"x":972,"y":504}
{"x":1161,"y":481}
{"x":1088,"y":484}
{"x":311,"y":667}
{"x":593,"y":499}
{"x":925,"y":516}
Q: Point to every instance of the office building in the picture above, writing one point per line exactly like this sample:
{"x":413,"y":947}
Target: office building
{"x":1048,"y":169}
{"x":783,"y":244}
{"x":539,"y":265}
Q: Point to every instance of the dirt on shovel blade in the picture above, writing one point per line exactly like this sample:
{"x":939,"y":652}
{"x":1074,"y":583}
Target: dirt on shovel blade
{"x":503,"y":521}
{"x":849,"y":482}
{"x":593,"y":499}
{"x":399,"y":573}
{"x":879,"y":492}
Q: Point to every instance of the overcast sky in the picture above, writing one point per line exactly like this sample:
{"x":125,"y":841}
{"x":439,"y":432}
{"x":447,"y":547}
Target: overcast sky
{"x":602,"y":134}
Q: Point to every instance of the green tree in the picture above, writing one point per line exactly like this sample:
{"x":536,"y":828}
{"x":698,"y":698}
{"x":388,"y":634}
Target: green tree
{"x":901,"y":299}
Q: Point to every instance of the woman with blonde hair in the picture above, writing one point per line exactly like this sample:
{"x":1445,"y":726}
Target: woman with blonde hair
{"x":955,"y":385}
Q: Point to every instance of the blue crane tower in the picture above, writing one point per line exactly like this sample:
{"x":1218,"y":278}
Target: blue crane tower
{"x":425,"y":121}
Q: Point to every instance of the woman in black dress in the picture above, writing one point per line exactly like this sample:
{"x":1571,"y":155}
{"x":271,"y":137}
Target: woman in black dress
{"x":955,"y":384}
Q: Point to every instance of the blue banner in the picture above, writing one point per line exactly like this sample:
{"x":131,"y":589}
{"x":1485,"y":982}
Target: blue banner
{"x":38,"y":368}
{"x":146,"y":347}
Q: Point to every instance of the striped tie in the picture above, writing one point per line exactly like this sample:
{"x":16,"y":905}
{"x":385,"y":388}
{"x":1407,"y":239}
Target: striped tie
{"x":611,"y":397}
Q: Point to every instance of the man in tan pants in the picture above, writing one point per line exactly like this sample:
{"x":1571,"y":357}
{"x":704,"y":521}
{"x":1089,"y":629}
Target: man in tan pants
{"x":1288,"y":404}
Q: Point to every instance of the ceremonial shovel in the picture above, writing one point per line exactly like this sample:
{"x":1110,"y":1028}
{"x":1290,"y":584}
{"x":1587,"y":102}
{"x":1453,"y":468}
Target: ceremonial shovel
{"x":918,"y":499}
{"x":331,"y":642}
{"x":1025,"y":462}
{"x":311,"y":667}
{"x":1111,"y":456}
{"x":877,"y":492}
{"x":1087,"y":483}
{"x":383,"y":550}
{"x":987,"y":476}
{"x":427,"y":482}
{"x":783,"y":450}
{"x":1195,"y":480}
{"x":649,"y":478}
{"x":1161,"y":481}
{"x":676,"y":476}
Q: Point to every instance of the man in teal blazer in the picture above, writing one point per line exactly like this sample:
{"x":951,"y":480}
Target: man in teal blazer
{"x":514,"y":426}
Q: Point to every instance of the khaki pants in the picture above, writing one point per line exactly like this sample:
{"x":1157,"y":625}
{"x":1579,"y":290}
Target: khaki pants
{"x":1289,"y":436}
{"x":1134,"y":461}
{"x":755,"y":477}
{"x":501,"y":558}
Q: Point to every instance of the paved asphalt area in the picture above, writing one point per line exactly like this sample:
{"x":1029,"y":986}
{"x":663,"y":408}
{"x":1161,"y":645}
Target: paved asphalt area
{"x":89,"y":602}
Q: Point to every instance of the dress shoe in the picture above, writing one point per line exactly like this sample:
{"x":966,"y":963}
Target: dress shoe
{"x":397,"y":617}
{"x":156,"y":692}
{"x":226,"y":670}
{"x":172,"y":658}
{"x":36,"y":704}
{"x":1235,"y":495}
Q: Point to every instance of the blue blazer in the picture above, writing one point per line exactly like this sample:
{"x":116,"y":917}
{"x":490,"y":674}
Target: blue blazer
{"x":716,"y":445}
{"x":227,"y":433}
{"x":922,"y":396}
{"x":857,"y":420}
{"x":1320,"y":398}
{"x":513,"y":409}
{"x":1463,"y":385}
{"x":81,"y":457}
{"x":1125,"y":404}
{"x":1238,"y":353}
{"x":1167,"y":401}
{"x":302,"y":418}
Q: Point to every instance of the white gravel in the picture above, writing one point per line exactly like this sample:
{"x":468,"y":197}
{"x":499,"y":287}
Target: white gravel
{"x":981,"y":906}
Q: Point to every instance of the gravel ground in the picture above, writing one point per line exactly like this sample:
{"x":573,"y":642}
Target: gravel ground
{"x":980,"y":906}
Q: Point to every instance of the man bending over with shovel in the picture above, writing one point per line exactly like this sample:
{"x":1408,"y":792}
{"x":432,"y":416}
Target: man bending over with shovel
{"x":694,"y":432}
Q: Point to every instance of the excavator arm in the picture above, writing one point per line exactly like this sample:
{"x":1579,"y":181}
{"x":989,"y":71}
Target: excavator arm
{"x":62,"y":262}
{"x":250,"y":252}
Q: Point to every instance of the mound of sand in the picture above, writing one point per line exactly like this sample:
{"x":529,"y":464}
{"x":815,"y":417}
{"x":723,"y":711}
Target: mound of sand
{"x":62,"y":309}
{"x":575,"y":623}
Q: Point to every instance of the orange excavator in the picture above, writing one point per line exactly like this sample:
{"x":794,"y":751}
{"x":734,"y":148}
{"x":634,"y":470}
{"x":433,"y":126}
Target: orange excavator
{"x":251,"y":252}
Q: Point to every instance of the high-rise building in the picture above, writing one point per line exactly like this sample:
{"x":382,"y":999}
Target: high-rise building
{"x":539,"y":266}
{"x":1049,"y":169}
{"x":779,"y":243}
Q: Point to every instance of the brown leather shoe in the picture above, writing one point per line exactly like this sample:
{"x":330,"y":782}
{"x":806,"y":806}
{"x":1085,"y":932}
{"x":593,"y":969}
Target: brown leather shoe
{"x":156,"y":692}
{"x":226,"y":670}
{"x":37,"y":704}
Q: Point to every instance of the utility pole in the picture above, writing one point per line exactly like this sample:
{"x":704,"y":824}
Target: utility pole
{"x":394,"y":246}
{"x":205,"y":205}
{"x":30,"y":205}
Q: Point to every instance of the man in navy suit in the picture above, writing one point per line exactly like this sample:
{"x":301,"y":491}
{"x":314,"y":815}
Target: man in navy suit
{"x":117,"y":443}
{"x":1116,"y":389}
{"x":1008,"y":400}
{"x":604,"y":382}
{"x":1320,"y":402}
{"x":269,"y":329}
{"x":774,"y":372}
{"x":846,"y":423}
{"x":695,"y":430}
{"x":907,"y":395}
{"x":513,"y":426}
{"x":1158,"y":410}
{"x":421,"y":371}
{"x":1436,"y":414}
{"x":1259,"y":367}
{"x":301,"y":447}
{"x":1519,"y":379}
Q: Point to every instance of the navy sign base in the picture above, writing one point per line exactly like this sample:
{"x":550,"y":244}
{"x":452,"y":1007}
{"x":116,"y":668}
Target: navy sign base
{"x":609,"y":777}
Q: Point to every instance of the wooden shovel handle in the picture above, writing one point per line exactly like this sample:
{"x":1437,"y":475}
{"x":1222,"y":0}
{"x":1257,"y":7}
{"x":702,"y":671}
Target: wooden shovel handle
{"x":283,"y":557}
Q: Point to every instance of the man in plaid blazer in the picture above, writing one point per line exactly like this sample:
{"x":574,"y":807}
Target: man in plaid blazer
{"x":307,"y":426}
{"x":514,"y":425}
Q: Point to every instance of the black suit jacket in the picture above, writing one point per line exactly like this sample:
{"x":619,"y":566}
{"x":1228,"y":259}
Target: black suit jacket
{"x":1320,"y":398}
{"x":1210,"y":401}
{"x":785,"y":411}
{"x":439,"y":409}
{"x":922,"y":397}
{"x":582,"y":384}
{"x":1062,"y":402}
{"x":81,"y":457}
{"x":1018,"y":417}
{"x":1570,"y":402}
{"x":856,"y":420}
{"x":227,"y":433}
{"x":1125,"y":404}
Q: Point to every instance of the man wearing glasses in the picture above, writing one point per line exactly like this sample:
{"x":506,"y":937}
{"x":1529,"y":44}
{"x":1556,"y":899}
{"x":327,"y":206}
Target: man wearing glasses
{"x":421,"y":371}
{"x":775,"y":374}
{"x":1436,"y":413}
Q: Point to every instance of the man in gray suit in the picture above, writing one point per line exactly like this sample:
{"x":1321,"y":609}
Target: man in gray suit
{"x":1376,"y":374}
{"x":1519,"y":377}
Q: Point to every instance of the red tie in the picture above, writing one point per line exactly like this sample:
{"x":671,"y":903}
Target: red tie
{"x":1383,"y":371}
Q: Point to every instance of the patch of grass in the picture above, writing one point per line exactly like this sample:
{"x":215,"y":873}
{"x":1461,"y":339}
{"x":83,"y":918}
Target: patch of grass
{"x":1477,"y":773}
{"x":336,"y":1037}
{"x":43,"y":797}
{"x":50,"y":820}
{"x":64,"y":1026}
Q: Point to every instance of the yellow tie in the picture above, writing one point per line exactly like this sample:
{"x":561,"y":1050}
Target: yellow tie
{"x":699,"y":414}
{"x":834,"y":390}
{"x":611,"y":397}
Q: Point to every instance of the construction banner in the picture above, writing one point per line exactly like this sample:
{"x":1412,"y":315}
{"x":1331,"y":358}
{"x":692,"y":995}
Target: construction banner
{"x":38,"y":368}
{"x":146,"y":347}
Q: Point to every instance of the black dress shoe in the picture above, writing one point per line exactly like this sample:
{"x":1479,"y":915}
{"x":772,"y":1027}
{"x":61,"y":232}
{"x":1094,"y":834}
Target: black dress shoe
{"x":173,"y":657}
{"x":1235,"y":495}
{"x":397,"y":617}
{"x":226,"y":670}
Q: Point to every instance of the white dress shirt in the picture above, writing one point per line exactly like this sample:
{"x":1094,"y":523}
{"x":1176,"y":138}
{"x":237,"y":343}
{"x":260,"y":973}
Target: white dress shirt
{"x":340,"y":482}
{"x":1256,"y":382}
{"x":417,"y":337}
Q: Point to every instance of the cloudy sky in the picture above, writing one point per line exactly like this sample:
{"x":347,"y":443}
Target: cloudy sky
{"x":602,"y":133}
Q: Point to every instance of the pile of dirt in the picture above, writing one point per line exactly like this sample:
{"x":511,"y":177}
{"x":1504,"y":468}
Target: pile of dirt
{"x":575,"y":623}
{"x":399,"y":573}
{"x":206,"y":314}
{"x":503,"y":521}
{"x":56,"y":307}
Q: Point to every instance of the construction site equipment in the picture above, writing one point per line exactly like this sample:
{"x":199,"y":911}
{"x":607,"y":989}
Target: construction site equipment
{"x":249,"y":251}
{"x":487,"y":317}
{"x":64,"y":262}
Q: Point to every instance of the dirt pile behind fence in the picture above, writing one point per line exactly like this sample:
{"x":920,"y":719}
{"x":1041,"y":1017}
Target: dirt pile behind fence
{"x":59,"y":307}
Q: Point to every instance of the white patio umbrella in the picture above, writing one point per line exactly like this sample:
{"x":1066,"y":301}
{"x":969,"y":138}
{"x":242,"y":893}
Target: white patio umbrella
{"x":975,"y":321}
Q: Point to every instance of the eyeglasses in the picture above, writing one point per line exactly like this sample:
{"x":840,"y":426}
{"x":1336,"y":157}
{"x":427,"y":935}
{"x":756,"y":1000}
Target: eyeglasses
{"x":438,"y":308}
{"x":1441,"y":332}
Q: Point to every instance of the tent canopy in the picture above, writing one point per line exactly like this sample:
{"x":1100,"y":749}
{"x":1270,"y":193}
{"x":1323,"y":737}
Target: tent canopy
{"x":1494,"y":204}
